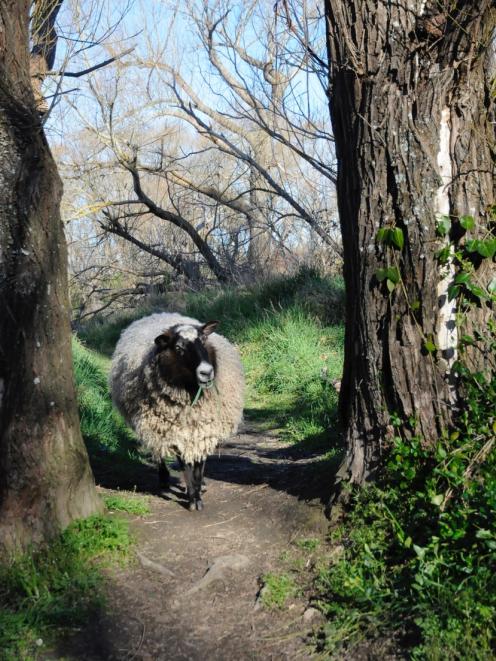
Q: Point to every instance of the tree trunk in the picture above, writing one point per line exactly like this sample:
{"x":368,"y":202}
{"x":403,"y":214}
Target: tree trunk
{"x":45,"y":478}
{"x":410,"y":109}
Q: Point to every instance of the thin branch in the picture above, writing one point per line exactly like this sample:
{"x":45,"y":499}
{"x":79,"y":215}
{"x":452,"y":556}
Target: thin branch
{"x":95,"y":67}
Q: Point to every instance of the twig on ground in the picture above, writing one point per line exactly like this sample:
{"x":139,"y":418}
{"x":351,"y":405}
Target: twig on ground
{"x":219,"y":523}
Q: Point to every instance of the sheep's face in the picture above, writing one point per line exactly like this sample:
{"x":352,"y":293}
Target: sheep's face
{"x":184,"y":359}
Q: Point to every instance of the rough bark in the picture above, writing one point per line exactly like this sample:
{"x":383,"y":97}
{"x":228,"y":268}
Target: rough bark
{"x":45,"y":478}
{"x":44,"y":38}
{"x":411,"y":113}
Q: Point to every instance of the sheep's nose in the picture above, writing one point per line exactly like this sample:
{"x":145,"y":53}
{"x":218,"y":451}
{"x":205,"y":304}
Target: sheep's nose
{"x":205,"y":372}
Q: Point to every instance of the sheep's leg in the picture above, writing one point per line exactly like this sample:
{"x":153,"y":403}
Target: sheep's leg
{"x":193,"y":475}
{"x":163,"y":475}
{"x":198,"y":469}
{"x":190,"y":484}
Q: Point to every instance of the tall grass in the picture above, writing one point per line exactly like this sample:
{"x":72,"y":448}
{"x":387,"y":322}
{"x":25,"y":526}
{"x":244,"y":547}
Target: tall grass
{"x":291,"y":361}
{"x":112,"y":448}
{"x":320,"y":298}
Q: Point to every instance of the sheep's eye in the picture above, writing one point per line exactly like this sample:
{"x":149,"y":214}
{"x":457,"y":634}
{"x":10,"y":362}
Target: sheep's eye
{"x":180,"y":349}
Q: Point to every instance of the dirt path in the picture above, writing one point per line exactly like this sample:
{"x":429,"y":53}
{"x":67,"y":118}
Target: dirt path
{"x":193,"y":594}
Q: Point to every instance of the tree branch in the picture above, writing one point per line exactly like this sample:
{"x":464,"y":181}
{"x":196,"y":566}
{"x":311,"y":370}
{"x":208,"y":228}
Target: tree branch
{"x":95,"y":67}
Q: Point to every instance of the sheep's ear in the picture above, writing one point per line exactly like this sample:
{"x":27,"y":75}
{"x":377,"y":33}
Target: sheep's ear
{"x":163,"y":341}
{"x":209,"y":327}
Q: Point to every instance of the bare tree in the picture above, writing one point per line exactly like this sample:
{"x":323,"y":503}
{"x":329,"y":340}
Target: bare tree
{"x":413,"y":125}
{"x":238,"y":170}
{"x":45,"y":478}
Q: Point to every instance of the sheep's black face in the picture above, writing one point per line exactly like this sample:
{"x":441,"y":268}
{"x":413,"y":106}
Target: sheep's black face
{"x":183,"y":357}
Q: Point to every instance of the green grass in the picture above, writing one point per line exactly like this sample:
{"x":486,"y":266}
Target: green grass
{"x":308,"y":544}
{"x":291,"y":361}
{"x":277,"y":590}
{"x":101,"y":425}
{"x":58,"y":587}
{"x":139,"y":505}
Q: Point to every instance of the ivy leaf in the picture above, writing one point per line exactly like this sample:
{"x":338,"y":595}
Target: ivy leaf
{"x":381,"y":235}
{"x":381,"y":274}
{"x":430,"y":346}
{"x":491,"y":246}
{"x":443,"y":255}
{"x":442,"y":453}
{"x":484,"y":248}
{"x":476,"y":290}
{"x":390,"y":285}
{"x":453,"y":291}
{"x":462,"y":278}
{"x":491,"y":287}
{"x":397,"y":238}
{"x":443,"y":225}
{"x":393,"y":274}
{"x":467,"y":222}
{"x":420,"y":551}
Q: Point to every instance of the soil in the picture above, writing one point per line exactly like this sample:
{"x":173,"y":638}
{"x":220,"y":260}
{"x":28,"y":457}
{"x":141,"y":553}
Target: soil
{"x":194,"y":591}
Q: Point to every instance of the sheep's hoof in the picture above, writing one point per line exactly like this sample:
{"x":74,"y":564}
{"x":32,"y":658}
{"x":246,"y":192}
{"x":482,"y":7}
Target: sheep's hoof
{"x":199,"y":505}
{"x":191,"y":506}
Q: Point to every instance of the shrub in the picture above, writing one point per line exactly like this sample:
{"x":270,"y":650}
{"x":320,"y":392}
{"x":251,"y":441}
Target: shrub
{"x":420,"y":547}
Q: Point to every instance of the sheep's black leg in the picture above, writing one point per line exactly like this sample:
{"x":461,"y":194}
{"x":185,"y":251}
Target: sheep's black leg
{"x":190,"y":484}
{"x":163,"y":475}
{"x":198,"y":469}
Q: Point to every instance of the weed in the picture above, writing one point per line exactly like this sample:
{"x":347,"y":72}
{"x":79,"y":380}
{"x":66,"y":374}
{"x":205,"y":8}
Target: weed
{"x":277,"y":589}
{"x":310,"y":544}
{"x":138,"y":505}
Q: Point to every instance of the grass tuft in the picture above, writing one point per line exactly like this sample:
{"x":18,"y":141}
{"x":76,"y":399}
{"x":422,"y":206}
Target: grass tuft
{"x":277,"y":590}
{"x":139,"y":505}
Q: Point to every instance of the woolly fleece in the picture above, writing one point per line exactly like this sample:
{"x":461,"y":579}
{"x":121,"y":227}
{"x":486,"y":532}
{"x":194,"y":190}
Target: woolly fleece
{"x":162,"y":415}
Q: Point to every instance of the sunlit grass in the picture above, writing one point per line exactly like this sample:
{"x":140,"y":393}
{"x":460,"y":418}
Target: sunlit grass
{"x":139,"y":505}
{"x":57,"y":587}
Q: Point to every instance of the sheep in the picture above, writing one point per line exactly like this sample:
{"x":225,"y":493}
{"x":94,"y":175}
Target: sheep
{"x":180,"y":386}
